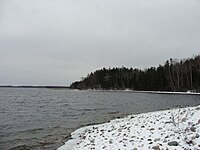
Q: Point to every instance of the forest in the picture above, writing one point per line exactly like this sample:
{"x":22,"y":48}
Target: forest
{"x":174,"y":75}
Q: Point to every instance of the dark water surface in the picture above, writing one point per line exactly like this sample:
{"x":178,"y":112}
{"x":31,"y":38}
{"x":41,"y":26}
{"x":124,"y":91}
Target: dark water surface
{"x":43,"y":118}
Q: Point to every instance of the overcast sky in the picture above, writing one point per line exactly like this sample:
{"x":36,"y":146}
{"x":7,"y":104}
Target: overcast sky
{"x":55,"y":42}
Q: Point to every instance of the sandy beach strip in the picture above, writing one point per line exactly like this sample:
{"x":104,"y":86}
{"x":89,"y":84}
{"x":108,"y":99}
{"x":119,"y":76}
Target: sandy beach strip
{"x":161,"y":130}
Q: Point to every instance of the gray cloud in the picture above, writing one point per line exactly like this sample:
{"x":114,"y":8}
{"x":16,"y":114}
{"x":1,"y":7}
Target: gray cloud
{"x":57,"y":42}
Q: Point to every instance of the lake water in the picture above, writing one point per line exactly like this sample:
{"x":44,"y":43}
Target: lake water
{"x":44,"y":118}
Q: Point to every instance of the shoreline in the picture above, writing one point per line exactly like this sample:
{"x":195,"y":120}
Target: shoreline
{"x":150,"y":92}
{"x":153,"y":130}
{"x":166,"y":92}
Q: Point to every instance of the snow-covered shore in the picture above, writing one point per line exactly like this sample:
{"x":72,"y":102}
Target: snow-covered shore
{"x":169,"y":129}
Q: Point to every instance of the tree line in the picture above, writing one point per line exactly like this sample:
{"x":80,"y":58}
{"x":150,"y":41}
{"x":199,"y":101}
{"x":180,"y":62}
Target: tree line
{"x":174,"y":75}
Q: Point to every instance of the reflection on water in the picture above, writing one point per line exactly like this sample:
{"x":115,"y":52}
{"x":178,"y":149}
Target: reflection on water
{"x":43,"y":118}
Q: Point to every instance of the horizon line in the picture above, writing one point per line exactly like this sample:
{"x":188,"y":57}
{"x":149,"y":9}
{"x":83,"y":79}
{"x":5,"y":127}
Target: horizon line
{"x":34,"y":86}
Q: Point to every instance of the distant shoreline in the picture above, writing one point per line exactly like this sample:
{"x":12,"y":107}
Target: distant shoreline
{"x":126,"y":90}
{"x":22,"y":86}
{"x":151,"y":92}
{"x":167,"y":92}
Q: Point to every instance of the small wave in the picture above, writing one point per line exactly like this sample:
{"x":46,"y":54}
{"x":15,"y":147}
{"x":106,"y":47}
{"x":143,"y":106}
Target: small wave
{"x":66,"y":105}
{"x":20,"y":147}
{"x":114,"y":112}
{"x":23,"y":147}
{"x":91,"y":109}
{"x":70,"y":115}
{"x":32,"y":130}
